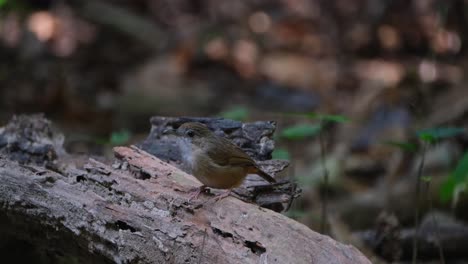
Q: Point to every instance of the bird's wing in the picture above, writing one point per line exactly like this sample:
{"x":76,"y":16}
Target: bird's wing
{"x":235,"y":156}
{"x":229,"y":155}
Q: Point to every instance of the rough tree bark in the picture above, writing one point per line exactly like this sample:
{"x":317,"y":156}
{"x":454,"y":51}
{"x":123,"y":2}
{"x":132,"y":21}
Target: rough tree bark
{"x":137,"y":211}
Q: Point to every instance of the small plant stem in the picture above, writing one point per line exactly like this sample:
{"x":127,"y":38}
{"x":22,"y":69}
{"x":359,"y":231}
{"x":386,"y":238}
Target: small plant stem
{"x":323,"y":223}
{"x":434,"y":222}
{"x":416,"y":199}
{"x":443,"y":15}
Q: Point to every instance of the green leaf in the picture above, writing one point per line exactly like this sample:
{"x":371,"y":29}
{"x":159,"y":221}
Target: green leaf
{"x":447,"y":189}
{"x":405,"y":146}
{"x":240,"y":113}
{"x":301,"y":131}
{"x":328,"y":118}
{"x":3,"y":2}
{"x":433,"y":134}
{"x":119,"y":137}
{"x":457,"y":177}
{"x":280,"y":153}
{"x":427,"y":138}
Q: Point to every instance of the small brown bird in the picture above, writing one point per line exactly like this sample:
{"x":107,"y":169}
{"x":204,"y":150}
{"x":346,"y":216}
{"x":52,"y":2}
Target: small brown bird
{"x":215,"y":161}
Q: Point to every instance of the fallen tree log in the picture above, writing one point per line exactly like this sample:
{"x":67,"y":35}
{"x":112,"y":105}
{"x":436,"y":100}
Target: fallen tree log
{"x":136,"y":210}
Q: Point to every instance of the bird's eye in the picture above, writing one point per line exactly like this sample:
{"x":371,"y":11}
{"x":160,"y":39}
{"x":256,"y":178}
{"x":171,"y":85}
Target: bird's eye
{"x":190,"y":133}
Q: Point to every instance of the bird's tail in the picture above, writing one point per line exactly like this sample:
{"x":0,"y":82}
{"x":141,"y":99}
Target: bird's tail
{"x":264,"y":175}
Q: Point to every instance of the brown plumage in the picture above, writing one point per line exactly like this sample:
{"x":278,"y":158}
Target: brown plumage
{"x":215,"y":160}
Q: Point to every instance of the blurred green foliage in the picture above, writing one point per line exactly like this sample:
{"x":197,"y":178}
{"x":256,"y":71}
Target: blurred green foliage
{"x":457,"y":180}
{"x":119,"y":137}
{"x":405,"y":146}
{"x":328,"y":118}
{"x":301,"y":131}
{"x":426,"y":178}
{"x":434,"y":134}
{"x":18,"y":6}
{"x":296,"y":214}
{"x":240,"y":113}
{"x":280,"y":153}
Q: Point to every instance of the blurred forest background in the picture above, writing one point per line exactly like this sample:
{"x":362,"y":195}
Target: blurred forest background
{"x":386,"y":76}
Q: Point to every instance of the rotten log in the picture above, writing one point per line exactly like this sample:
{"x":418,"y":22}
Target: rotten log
{"x":136,"y":210}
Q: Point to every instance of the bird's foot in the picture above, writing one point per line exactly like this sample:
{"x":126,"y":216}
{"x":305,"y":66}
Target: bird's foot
{"x":196,"y":192}
{"x":222,"y":195}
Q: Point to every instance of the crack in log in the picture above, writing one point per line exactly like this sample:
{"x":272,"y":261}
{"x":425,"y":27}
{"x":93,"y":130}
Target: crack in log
{"x":255,"y":246}
{"x":98,"y":180}
{"x":222,"y":233}
{"x":93,"y":169}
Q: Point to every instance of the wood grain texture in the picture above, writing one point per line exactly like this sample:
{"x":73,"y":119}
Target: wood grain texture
{"x":137,"y":211}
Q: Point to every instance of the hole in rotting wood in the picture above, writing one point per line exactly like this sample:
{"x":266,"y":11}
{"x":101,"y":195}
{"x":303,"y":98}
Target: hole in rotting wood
{"x":80,"y":178}
{"x":124,"y":226}
{"x":255,"y":247}
{"x":139,"y":173}
{"x":221,"y":232}
{"x":144,"y":175}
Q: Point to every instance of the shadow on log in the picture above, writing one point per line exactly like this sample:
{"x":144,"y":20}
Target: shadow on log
{"x":105,"y":213}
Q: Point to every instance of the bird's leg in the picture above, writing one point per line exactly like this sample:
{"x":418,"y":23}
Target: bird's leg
{"x":223,"y":195}
{"x":196,"y":192}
